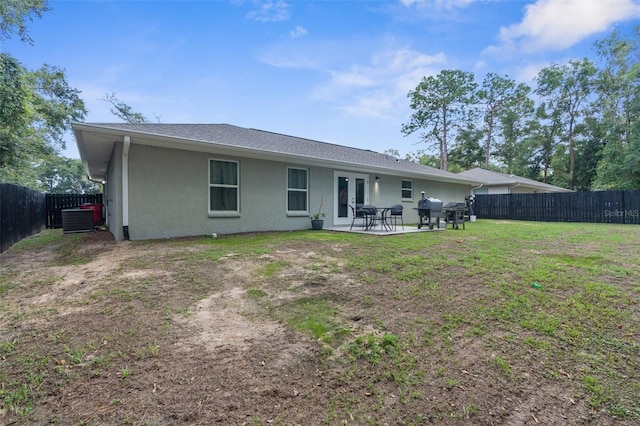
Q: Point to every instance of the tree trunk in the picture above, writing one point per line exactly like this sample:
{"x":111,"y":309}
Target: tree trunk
{"x":444,"y":146}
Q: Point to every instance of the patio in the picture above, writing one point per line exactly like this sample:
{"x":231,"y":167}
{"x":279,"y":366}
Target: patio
{"x":408,"y":229}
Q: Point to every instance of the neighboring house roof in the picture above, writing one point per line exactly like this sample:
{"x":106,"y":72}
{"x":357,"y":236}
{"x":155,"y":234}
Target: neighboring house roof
{"x":95,"y":144}
{"x":491,"y":178}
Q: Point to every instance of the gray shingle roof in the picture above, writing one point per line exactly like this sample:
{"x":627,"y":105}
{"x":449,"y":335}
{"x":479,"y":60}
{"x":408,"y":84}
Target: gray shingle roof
{"x":274,"y":143}
{"x":491,"y":178}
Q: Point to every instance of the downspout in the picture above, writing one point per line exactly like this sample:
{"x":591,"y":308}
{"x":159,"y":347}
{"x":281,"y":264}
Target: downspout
{"x":125,"y":187}
{"x":104,"y":202}
{"x":514,"y":186}
{"x":472,"y":192}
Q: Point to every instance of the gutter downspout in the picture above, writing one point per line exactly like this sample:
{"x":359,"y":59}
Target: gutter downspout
{"x":514,"y":186}
{"x":473,"y":188}
{"x":104,"y":202}
{"x":125,"y":187}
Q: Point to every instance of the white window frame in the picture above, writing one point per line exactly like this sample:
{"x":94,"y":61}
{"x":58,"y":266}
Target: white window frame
{"x":306,"y":191}
{"x":236,"y":186}
{"x":402,"y":189}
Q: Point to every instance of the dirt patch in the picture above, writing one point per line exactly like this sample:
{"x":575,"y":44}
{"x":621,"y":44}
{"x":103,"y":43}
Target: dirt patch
{"x":184,"y":332}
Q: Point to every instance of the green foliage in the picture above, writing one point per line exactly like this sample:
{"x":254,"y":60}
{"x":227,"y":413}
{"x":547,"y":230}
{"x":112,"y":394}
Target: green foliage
{"x":122,"y":110}
{"x":32,"y":124}
{"x":440,"y":104}
{"x":58,"y":175}
{"x":565,"y":90}
{"x":37,"y":108}
{"x":617,"y":105}
{"x":500,"y":97}
{"x":583,"y":133}
{"x":14,"y":14}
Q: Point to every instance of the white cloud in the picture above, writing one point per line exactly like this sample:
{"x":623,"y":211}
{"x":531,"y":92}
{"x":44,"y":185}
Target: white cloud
{"x":375,"y":105}
{"x":346,"y":78}
{"x":379,"y":89}
{"x":558,"y":24}
{"x":479,"y":65}
{"x":270,"y":11}
{"x":528,"y":73}
{"x":298,"y":55}
{"x":298,"y":31}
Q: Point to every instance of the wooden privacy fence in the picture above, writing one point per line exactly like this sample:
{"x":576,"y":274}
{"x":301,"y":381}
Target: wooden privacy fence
{"x":22,"y":213}
{"x":598,"y":207}
{"x":58,"y":202}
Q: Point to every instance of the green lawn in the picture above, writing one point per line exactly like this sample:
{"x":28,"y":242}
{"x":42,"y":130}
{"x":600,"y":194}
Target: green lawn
{"x":504,"y":322}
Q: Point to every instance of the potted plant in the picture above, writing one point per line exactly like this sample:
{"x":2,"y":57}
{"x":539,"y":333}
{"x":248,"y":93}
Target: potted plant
{"x":317,"y":219}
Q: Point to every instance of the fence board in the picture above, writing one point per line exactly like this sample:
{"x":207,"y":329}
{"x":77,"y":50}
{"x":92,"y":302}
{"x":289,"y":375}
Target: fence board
{"x":58,"y":202}
{"x":22,"y":213}
{"x":596,"y":207}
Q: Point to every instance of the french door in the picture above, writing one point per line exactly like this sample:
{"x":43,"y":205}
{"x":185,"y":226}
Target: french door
{"x":350,"y":189}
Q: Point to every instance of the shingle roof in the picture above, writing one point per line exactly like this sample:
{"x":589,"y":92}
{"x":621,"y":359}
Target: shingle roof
{"x":491,"y":178}
{"x":275,"y":143}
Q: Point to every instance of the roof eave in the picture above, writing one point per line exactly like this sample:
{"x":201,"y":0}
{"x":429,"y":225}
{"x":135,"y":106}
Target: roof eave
{"x":152,"y":139}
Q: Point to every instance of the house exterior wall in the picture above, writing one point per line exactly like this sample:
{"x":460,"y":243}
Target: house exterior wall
{"x":498,"y":189}
{"x":523,"y":190}
{"x":113,"y":193}
{"x":168,"y":194}
{"x":509,"y":189}
{"x":388,"y":192}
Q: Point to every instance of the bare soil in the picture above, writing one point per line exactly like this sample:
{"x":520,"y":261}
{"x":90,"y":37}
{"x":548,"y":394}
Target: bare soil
{"x":166,"y":333}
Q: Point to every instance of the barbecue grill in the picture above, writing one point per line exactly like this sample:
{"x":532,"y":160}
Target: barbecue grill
{"x":429,"y":207}
{"x":454,"y":213}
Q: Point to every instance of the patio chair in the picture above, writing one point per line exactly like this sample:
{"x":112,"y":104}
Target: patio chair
{"x":394,"y":213}
{"x":357,"y":214}
{"x":370,"y":216}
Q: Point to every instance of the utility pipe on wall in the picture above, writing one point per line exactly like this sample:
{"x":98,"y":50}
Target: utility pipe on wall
{"x":125,"y":187}
{"x":473,"y":189}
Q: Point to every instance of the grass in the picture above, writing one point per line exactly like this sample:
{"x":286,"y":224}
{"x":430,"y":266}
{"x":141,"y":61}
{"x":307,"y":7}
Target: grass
{"x":410,"y":329}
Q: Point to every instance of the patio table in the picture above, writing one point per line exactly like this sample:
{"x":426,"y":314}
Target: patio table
{"x":374,"y":215}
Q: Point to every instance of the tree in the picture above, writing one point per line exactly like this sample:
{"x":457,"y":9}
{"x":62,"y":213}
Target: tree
{"x":60,"y":175}
{"x":122,"y":110}
{"x":14,"y":13}
{"x":565,"y":90}
{"x":442,"y":107}
{"x":588,"y":154}
{"x":421,"y":157}
{"x":37,"y":108}
{"x":517,"y":148}
{"x":467,"y":153}
{"x":618,"y":106}
{"x":498,"y":96}
{"x":544,"y":133}
{"x":13,"y":108}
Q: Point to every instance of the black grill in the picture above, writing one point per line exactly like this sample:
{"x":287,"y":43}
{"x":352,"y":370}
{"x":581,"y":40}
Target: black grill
{"x":428,"y":208}
{"x":454,"y":213}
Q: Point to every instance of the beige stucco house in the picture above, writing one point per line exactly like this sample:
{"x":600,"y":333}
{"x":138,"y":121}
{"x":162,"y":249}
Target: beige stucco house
{"x":174,"y":180}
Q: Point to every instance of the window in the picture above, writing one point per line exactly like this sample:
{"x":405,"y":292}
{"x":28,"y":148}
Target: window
{"x":297,"y":190}
{"x":407,"y":190}
{"x":223,"y":186}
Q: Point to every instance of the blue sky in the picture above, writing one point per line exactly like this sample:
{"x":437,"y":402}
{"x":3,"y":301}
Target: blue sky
{"x":334,"y":71}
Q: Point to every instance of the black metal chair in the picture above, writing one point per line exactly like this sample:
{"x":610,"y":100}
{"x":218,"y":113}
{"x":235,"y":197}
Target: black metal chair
{"x":395,"y":212}
{"x":355,"y":215}
{"x":370,"y":216}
